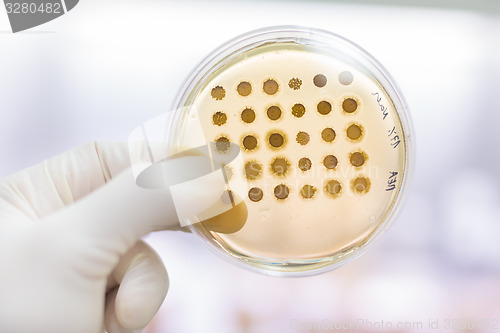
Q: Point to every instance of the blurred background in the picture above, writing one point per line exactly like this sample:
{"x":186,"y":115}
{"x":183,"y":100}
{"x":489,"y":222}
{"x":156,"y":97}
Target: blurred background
{"x":108,"y":66}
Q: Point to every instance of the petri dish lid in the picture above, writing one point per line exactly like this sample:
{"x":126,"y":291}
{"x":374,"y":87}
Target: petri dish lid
{"x":325,"y":146}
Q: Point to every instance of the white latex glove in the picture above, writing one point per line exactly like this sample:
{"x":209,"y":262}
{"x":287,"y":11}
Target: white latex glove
{"x":71,"y":258}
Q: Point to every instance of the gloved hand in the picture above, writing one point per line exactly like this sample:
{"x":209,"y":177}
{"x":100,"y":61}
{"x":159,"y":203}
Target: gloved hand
{"x":71,"y":258}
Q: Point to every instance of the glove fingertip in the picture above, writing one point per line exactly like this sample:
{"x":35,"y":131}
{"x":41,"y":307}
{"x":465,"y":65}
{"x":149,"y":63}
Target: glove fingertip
{"x":111,"y":322}
{"x":142,"y":290}
{"x":137,"y":308}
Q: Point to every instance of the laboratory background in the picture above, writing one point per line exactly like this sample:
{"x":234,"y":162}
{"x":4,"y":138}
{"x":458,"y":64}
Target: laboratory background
{"x":107,"y":66}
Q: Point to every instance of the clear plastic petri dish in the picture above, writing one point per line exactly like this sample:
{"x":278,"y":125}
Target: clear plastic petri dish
{"x":325,"y":143}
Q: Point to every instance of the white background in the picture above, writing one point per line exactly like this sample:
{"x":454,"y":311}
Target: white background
{"x":107,"y":66}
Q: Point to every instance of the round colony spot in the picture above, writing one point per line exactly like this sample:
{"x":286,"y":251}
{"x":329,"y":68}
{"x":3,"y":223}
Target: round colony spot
{"x":219,"y":118}
{"x":276,"y":140}
{"x":222,"y":144}
{"x":349,"y":105}
{"x":320,"y":80}
{"x":346,"y":78}
{"x":330,"y":162}
{"x":298,"y":110}
{"x":253,"y":170}
{"x":280,"y":166}
{"x":274,"y":112}
{"x":255,"y":194}
{"x":281,"y":192}
{"x":218,"y":93}
{"x":361,"y":185}
{"x":248,"y":115}
{"x":244,"y":88}
{"x":303,"y":138}
{"x":354,"y":132}
{"x":333,"y":187}
{"x":250,"y":142}
{"x":295,"y":83}
{"x":328,"y":134}
{"x":271,"y":87}
{"x":307,"y":191}
{"x":324,"y":107}
{"x":305,"y":164}
{"x":357,"y":159}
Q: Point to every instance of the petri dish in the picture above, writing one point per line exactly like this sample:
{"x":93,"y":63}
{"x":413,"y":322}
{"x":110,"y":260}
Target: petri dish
{"x":325,"y":141}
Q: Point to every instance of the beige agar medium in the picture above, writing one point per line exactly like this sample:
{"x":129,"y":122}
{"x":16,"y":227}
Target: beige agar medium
{"x":324,"y":144}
